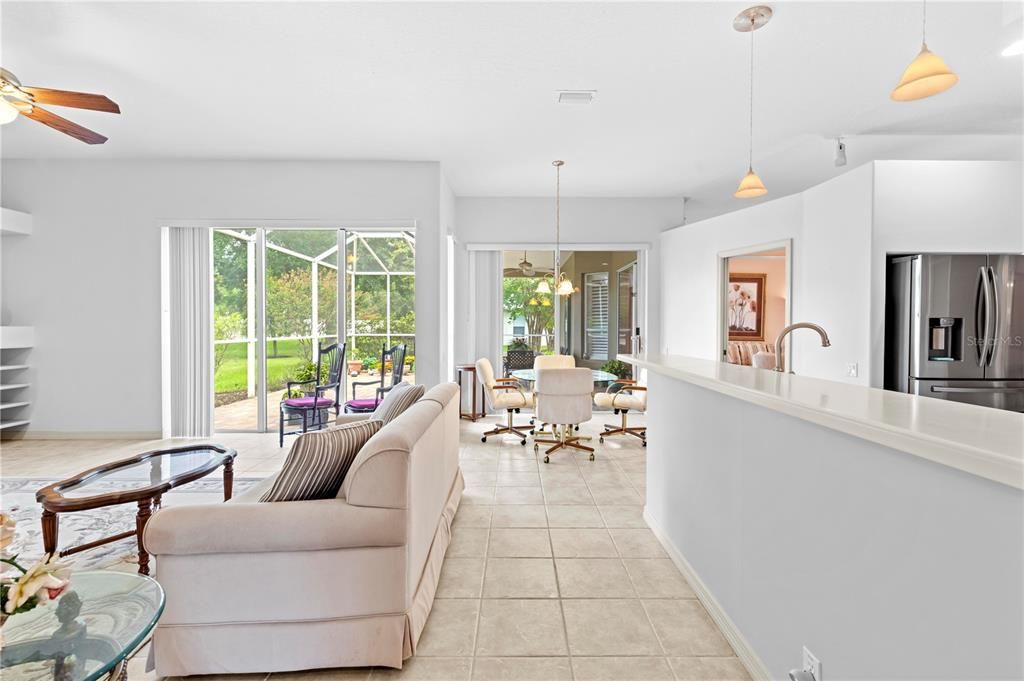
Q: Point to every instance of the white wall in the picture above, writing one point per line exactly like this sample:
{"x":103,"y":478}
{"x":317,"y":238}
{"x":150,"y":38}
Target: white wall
{"x":689,"y":315}
{"x":885,"y":565}
{"x":583,"y":221}
{"x":89,"y":278}
{"x":841,"y":231}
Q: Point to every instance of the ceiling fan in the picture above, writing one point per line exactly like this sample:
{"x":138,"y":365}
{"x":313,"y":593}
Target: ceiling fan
{"x":525,"y":268}
{"x":16,"y":98}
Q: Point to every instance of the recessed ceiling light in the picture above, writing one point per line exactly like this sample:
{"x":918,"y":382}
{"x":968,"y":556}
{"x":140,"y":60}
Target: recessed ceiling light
{"x":1014,"y":49}
{"x":576,"y":96}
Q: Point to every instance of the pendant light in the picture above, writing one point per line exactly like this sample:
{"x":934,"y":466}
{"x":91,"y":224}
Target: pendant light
{"x":748,"y":21}
{"x":564,"y":287}
{"x":927,"y":75}
{"x":543,"y":286}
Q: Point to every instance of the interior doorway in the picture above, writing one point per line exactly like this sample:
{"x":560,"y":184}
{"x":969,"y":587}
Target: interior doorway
{"x":755,"y":303}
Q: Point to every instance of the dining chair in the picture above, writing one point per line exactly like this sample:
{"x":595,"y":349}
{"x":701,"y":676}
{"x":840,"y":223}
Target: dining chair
{"x":503,"y":394}
{"x":628,"y":397}
{"x":564,"y":400}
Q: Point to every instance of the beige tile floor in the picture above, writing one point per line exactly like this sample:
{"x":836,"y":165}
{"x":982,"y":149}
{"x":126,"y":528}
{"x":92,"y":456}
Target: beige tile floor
{"x":552,"y":573}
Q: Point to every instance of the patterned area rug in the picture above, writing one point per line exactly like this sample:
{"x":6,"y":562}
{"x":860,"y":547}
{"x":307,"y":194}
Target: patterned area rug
{"x":18,"y":497}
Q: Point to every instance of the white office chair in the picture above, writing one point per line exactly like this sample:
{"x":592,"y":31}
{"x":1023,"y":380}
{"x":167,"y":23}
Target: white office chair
{"x":503,"y":393}
{"x":563,"y":400}
{"x":630,"y":397}
{"x":551,"y":362}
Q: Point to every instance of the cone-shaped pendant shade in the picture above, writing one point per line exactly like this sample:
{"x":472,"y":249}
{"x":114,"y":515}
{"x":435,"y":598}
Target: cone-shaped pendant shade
{"x":751,"y":186}
{"x":927,"y":75}
{"x":543,"y":286}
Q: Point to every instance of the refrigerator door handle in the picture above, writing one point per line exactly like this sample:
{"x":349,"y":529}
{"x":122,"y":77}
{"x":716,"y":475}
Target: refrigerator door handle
{"x":980,"y":316}
{"x":992,"y":341}
{"x":948,"y":389}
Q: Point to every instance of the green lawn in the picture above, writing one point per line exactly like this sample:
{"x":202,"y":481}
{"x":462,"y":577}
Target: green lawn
{"x":232,"y":375}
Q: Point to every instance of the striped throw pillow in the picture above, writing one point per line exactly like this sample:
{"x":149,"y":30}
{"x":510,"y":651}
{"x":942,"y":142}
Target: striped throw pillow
{"x":317,"y":462}
{"x":397,"y":400}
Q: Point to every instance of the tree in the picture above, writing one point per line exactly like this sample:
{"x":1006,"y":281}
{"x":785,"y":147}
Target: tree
{"x":540,"y":319}
{"x":288,"y":307}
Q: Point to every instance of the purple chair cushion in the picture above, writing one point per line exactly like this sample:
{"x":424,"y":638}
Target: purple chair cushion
{"x":308,"y":402}
{"x":369,"y":404}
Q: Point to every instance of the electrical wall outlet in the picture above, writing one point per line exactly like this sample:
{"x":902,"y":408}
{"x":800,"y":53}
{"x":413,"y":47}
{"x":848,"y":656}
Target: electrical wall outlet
{"x":852,"y":370}
{"x":812,"y":664}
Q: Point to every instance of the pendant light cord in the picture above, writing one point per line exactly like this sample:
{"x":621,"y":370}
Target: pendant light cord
{"x":558,"y":212}
{"x":924,"y":21}
{"x":750,"y":158}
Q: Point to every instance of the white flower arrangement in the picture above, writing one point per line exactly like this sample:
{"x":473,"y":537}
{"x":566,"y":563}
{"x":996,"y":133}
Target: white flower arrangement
{"x":39,"y":584}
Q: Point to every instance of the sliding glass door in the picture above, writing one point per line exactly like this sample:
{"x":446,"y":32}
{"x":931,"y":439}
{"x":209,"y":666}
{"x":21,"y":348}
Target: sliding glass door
{"x":301,"y":289}
{"x":278,"y":298}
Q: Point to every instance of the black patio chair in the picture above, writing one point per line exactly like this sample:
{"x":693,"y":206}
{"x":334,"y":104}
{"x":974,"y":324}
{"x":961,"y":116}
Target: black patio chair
{"x":395,"y":355}
{"x":313,"y":408}
{"x":518,"y":359}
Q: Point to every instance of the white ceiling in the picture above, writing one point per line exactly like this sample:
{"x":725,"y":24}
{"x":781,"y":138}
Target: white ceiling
{"x":472,"y":85}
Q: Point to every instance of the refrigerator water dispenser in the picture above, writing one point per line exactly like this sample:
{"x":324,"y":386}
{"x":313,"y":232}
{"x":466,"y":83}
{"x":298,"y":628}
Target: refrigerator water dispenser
{"x":945,"y":339}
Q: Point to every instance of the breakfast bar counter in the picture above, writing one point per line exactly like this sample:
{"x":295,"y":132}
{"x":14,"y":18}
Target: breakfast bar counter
{"x":985,"y":442}
{"x":884,"y":532}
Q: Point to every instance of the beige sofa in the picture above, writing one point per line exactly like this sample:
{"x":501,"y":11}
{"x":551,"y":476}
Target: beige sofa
{"x":269,"y":587}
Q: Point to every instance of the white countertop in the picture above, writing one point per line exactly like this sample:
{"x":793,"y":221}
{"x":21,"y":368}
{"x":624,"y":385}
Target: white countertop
{"x":982,"y":441}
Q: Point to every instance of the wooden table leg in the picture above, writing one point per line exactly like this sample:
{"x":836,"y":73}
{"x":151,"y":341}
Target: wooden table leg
{"x":229,"y":479}
{"x":145,"y":511}
{"x":49,"y":532}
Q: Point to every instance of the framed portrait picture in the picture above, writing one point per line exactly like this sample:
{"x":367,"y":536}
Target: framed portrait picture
{"x":745,"y":306}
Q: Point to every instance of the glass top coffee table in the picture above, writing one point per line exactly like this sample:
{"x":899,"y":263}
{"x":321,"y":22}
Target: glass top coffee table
{"x":141,"y":479}
{"x":87,"y":633}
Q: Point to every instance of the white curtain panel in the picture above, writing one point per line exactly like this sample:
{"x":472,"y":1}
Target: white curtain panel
{"x":485,"y":306}
{"x":191,"y":336}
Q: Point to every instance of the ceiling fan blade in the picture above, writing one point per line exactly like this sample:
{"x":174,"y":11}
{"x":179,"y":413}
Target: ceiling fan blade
{"x":78,"y":100}
{"x":62,"y":124}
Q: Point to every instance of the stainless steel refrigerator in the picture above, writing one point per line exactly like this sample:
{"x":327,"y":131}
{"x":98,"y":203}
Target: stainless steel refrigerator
{"x":954,"y":328}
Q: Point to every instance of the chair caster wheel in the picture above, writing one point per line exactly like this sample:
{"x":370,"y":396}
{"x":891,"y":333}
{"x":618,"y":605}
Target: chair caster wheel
{"x":547,"y":459}
{"x":645,"y":443}
{"x":591,"y":457}
{"x":517,"y":411}
{"x":533,"y":432}
{"x":601,"y":440}
{"x":523,"y":442}
{"x":483,"y":439}
{"x":577,"y":429}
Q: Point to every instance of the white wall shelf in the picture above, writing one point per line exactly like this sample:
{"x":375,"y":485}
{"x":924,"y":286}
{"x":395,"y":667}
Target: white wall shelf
{"x":15,"y":222}
{"x":14,"y":386}
{"x":12,"y":367}
{"x":13,"y":337}
{"x":4,"y":425}
{"x":13,"y":405}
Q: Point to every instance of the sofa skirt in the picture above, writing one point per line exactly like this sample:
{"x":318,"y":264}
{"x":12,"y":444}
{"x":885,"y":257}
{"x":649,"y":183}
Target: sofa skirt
{"x":423,"y":599}
{"x":263,"y":647}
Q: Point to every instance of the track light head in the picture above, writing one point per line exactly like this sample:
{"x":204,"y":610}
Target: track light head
{"x":840,"y":159}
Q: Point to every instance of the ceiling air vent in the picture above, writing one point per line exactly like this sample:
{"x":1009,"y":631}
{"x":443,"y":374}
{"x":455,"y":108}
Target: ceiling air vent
{"x":576,"y":96}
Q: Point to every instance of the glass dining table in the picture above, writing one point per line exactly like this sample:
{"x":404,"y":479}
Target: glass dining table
{"x":531,"y":375}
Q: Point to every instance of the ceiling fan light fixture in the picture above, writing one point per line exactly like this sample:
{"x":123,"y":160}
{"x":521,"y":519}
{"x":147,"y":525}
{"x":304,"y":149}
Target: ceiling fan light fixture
{"x":927,"y":75}
{"x":751,"y":186}
{"x":7,"y":112}
{"x":565,"y":287}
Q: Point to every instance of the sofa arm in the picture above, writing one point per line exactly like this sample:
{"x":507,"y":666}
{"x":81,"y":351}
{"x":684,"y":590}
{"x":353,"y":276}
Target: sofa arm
{"x":345,"y":419}
{"x":273,"y":526}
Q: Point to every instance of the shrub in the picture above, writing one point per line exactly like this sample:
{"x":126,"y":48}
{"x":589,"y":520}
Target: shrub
{"x":519,"y":344}
{"x":620,"y":369}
